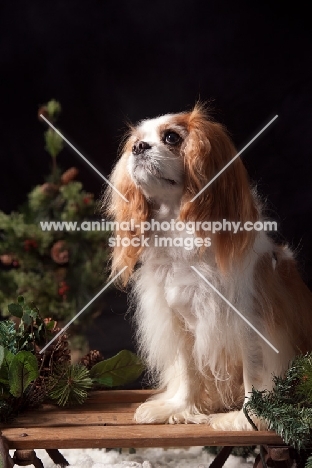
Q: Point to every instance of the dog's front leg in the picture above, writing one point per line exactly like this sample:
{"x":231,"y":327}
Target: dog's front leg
{"x":177,"y":404}
{"x":259,"y":362}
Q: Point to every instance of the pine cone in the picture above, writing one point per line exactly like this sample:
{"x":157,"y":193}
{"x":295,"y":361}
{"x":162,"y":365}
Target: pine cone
{"x":57,"y":354}
{"x":59,"y":253}
{"x":69,"y":175}
{"x":6,"y":259}
{"x":37,"y":393}
{"x":92,"y":358}
{"x":48,"y":188}
{"x":61,"y":352}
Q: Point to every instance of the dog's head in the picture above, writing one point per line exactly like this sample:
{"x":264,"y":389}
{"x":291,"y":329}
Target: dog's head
{"x":169,"y":161}
{"x":155,"y":158}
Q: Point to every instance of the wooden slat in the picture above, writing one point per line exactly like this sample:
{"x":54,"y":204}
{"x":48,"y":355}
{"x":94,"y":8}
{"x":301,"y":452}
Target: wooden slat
{"x":106,"y":420}
{"x":102,"y":407}
{"x":41,"y":419}
{"x":123,"y":396}
{"x":132,"y":436}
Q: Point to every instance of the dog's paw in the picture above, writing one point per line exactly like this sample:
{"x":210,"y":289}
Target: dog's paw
{"x":232,"y":421}
{"x":235,"y":421}
{"x":164,"y":411}
{"x":186,"y":417}
{"x":153,"y":411}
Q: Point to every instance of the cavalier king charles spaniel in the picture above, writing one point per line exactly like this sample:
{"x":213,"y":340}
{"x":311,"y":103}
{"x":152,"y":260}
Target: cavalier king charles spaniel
{"x":201,"y":355}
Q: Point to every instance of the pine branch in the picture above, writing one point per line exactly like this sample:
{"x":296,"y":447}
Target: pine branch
{"x":288,"y":407}
{"x":309,"y":463}
{"x":69,"y":384}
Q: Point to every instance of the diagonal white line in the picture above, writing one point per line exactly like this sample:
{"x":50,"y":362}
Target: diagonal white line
{"x":235,"y":310}
{"x":82,"y":310}
{"x":235,"y":157}
{"x":83,"y":157}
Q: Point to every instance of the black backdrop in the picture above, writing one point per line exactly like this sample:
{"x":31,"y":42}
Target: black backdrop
{"x":112,"y":61}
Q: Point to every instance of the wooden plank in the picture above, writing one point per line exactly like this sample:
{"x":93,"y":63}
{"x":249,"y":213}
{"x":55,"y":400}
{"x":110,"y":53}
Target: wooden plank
{"x":61,"y":419}
{"x":51,"y":416}
{"x":132,"y":436}
{"x":87,"y":407}
{"x":111,"y":407}
{"x":103,"y":407}
{"x":123,"y":396}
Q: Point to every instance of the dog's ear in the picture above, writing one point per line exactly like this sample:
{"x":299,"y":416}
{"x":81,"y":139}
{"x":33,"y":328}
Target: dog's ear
{"x":116,"y":208}
{"x":206,"y":151}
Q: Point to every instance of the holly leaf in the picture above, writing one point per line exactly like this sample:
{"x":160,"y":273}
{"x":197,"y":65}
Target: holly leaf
{"x":22,"y":371}
{"x":117,"y":371}
{"x":16,"y":310}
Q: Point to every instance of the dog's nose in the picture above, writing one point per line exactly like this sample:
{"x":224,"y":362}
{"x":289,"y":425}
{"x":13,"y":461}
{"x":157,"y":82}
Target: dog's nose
{"x":140,"y":147}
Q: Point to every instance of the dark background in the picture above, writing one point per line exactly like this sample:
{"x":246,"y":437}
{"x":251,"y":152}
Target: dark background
{"x":112,"y":61}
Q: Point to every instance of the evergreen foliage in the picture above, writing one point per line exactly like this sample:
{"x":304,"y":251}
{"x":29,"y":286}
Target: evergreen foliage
{"x":59,"y":270}
{"x":70,"y":383}
{"x":28,"y":377}
{"x":288,"y":407}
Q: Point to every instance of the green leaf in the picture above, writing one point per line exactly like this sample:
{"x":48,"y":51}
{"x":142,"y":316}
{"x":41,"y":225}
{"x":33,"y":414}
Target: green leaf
{"x":53,"y":108}
{"x":8,"y":335}
{"x":119,"y":370}
{"x":309,"y":463}
{"x":33,"y":314}
{"x":4,"y":369}
{"x":23,"y":370}
{"x":54,"y":142}
{"x":26,"y":318}
{"x":27,"y":308}
{"x":50,"y":325}
{"x":16,"y":310}
{"x":20,"y":300}
{"x":1,"y":355}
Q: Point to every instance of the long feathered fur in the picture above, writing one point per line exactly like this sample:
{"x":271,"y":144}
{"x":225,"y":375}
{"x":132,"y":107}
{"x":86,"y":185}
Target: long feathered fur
{"x":198,"y":350}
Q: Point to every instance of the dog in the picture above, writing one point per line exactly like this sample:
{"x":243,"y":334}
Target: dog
{"x":218,"y":312}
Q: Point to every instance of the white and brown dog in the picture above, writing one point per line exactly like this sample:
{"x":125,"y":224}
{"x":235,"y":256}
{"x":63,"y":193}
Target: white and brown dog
{"x":199,"y":351}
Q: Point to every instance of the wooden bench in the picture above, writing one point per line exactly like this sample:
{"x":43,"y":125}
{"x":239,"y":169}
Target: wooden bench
{"x":106,"y":421}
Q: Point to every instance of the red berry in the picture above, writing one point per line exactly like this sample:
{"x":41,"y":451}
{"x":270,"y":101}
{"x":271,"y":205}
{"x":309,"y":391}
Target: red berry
{"x":30,"y":243}
{"x":63,"y":288}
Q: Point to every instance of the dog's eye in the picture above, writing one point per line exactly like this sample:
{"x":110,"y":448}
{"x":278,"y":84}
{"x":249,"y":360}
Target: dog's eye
{"x":171,"y":138}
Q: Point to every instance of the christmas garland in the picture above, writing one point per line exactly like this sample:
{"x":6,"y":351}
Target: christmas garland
{"x":287,"y":408}
{"x":29,"y":377}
